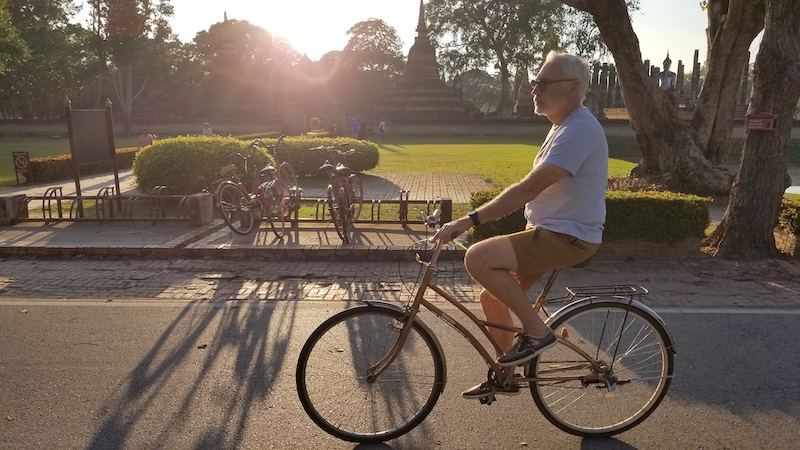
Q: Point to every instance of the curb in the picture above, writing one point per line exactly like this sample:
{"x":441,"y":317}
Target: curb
{"x":305,"y":252}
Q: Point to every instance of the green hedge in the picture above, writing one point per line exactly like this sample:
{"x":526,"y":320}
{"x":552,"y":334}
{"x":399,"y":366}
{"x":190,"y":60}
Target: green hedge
{"x":655,"y":216}
{"x":509,"y":224}
{"x":55,"y":168}
{"x":789,"y":216}
{"x":646,"y":215}
{"x":308,"y":163}
{"x":189,"y":164}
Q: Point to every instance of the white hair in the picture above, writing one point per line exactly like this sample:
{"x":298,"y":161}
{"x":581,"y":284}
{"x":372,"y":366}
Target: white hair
{"x":573,"y":66}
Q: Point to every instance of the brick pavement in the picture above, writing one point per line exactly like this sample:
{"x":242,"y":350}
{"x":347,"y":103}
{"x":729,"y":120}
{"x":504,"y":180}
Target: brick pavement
{"x":695,"y":283}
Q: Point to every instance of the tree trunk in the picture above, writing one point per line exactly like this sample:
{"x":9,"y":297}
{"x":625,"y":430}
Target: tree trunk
{"x":504,"y":104}
{"x":746,"y":230}
{"x":733,"y":24}
{"x":670,"y":155}
{"x":123,"y":86}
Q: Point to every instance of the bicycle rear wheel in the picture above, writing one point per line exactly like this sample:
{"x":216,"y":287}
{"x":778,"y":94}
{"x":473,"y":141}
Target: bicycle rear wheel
{"x":276,"y":209}
{"x":333,"y":208}
{"x":637,"y":357}
{"x":289,"y":181}
{"x":237,"y":210}
{"x":357,"y":197}
{"x":345,"y":216}
{"x":339,"y":396}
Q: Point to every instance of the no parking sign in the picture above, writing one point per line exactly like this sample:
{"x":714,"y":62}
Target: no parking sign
{"x":21,"y":162}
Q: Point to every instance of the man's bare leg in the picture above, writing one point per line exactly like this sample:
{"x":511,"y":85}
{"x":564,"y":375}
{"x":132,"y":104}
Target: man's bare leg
{"x":492,"y":264}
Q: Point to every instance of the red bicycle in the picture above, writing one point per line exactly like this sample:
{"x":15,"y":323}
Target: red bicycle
{"x":273,"y":196}
{"x":345,"y":192}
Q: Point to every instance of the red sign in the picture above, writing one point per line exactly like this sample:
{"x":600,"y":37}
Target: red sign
{"x":760,"y":121}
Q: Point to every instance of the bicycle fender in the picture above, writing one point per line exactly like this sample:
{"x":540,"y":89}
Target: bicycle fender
{"x":393,"y":307}
{"x":617,"y":301}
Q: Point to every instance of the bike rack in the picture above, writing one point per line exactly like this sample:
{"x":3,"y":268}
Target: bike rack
{"x":56,"y":207}
{"x":376,"y":210}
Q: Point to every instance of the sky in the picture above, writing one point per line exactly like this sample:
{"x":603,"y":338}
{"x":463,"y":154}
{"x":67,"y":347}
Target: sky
{"x":315,"y":27}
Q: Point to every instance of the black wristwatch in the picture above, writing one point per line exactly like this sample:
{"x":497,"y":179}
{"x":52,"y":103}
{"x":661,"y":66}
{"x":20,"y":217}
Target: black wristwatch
{"x":474,"y":216}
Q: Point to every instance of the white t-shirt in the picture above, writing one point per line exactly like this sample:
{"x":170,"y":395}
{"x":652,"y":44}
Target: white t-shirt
{"x":574,"y":205}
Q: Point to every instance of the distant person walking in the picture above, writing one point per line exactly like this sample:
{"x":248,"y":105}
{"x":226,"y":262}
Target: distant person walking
{"x":207,"y":130}
{"x":354,"y":127}
{"x":145,"y":138}
{"x":382,"y":128}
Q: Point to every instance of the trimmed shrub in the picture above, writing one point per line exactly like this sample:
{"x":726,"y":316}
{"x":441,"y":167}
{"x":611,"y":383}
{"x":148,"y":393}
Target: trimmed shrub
{"x":789,"y":216}
{"x":655,"y":216}
{"x":509,"y":224}
{"x":645,"y":215}
{"x":54,"y":168}
{"x":189,"y":164}
{"x":308,"y":163}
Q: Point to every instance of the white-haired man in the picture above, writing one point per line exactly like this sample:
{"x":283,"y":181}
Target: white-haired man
{"x":564,"y":200}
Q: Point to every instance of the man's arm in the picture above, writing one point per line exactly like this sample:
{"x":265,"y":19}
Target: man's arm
{"x":508,"y":201}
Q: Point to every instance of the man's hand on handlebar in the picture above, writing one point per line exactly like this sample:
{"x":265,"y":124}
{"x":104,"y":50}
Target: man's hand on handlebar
{"x":452,"y":230}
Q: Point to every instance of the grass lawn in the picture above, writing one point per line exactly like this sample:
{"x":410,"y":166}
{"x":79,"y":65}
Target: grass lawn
{"x":500,"y":160}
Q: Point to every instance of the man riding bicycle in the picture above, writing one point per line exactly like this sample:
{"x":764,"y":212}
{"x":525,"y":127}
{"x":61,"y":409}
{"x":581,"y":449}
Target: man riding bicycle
{"x":564,"y":200}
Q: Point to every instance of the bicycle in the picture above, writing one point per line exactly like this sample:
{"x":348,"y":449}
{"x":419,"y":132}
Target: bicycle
{"x":273,"y":196}
{"x":374,"y":372}
{"x":345,"y":194}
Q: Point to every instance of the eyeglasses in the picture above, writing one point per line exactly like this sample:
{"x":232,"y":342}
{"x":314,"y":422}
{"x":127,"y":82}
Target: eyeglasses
{"x":542,"y":84}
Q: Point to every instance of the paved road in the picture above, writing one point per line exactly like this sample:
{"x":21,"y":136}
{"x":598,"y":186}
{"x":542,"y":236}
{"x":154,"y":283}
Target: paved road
{"x":182,"y":374}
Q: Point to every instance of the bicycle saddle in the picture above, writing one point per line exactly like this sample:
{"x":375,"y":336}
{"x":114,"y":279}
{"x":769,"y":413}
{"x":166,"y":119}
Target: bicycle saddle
{"x":268,"y":169}
{"x":343,"y":170}
{"x":327,"y":167}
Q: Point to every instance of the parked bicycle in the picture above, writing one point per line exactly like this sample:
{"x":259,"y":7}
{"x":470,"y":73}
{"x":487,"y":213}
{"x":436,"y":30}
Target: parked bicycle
{"x":273,"y":194}
{"x":374,"y":372}
{"x":345,"y":193}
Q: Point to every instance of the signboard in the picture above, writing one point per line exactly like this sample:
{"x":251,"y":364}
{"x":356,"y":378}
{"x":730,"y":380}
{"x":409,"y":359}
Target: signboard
{"x":760,"y":121}
{"x":21,"y":161}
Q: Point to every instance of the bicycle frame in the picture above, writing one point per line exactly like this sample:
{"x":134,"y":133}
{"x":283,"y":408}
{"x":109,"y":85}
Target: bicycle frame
{"x":419,"y":301}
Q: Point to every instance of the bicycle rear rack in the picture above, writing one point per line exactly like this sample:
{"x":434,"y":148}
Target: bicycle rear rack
{"x":610,"y":290}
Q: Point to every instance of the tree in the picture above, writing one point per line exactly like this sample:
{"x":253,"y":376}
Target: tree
{"x":12,"y":46}
{"x":53,"y":65}
{"x":248,"y":71}
{"x":746,"y":229}
{"x":372,"y":62}
{"x":374,"y":46}
{"x":672,"y":152}
{"x":132,"y":32}
{"x":509,"y":33}
{"x":482,"y":89}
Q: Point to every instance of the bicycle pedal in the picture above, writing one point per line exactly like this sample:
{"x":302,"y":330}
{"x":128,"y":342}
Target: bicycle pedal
{"x":488,"y":400}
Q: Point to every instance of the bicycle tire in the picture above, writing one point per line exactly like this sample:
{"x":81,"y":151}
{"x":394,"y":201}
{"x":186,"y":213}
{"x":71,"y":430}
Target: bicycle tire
{"x":236,"y":208}
{"x":333,"y":208}
{"x":289,"y":181}
{"x":345,"y":216}
{"x":332,"y":382}
{"x":641,"y":355}
{"x":357,"y":199}
{"x":275,"y":208}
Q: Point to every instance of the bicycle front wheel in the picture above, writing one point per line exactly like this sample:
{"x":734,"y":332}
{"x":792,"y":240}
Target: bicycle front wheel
{"x":636,"y":359}
{"x":358,"y":196}
{"x":345,"y":216}
{"x":237,"y":209}
{"x":333,"y":208}
{"x":337,"y":392}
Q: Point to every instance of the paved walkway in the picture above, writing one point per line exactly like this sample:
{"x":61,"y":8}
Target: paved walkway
{"x":119,"y":261}
{"x":377,"y":186}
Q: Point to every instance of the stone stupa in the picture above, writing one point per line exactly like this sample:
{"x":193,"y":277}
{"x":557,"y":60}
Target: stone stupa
{"x":421,"y":95}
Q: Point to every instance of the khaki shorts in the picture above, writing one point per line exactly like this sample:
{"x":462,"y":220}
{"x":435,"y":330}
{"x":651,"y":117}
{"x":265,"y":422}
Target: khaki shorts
{"x":539,"y":250}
